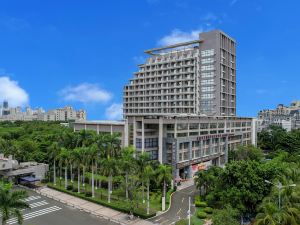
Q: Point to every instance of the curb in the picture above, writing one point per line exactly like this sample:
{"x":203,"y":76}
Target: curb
{"x":171,"y":195}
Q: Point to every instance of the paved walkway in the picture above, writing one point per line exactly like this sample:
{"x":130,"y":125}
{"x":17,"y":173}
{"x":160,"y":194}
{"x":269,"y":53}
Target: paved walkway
{"x":92,"y":208}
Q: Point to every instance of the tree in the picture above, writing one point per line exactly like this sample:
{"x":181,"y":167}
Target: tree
{"x":206,"y":180}
{"x":92,"y":158}
{"x":225,"y":216}
{"x":148,"y":174}
{"x":109,"y":168}
{"x":11,"y":202}
{"x":247,"y":153}
{"x":127,"y":164}
{"x":64,"y":158}
{"x":164,"y":175}
{"x":143,"y":160}
{"x":54,"y":151}
{"x":77,"y":157}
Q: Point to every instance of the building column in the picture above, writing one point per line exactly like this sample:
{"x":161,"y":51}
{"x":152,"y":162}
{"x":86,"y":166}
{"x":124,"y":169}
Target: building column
{"x":210,"y":146}
{"x":254,"y":132}
{"x":111,"y":130}
{"x":143,"y":135}
{"x":226,"y":150}
{"x":97,"y":128}
{"x":160,"y":140}
{"x":84,"y":126}
{"x":134,"y":132}
{"x":126,"y":131}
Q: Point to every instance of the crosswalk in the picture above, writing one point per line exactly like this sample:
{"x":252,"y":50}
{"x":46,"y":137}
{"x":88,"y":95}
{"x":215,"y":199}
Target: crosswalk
{"x":33,"y":205}
{"x":32,"y":198}
{"x":35,"y":214}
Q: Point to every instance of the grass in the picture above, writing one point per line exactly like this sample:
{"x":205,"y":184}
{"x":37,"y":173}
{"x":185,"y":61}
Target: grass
{"x":118,"y":200}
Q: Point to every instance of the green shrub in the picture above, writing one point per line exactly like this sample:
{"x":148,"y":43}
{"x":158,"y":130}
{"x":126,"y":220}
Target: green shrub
{"x":197,"y":199}
{"x":208,"y":210}
{"x":201,"y":215}
{"x":202,"y":204}
{"x":197,"y":203}
{"x":70,"y":187}
{"x":88,"y":194}
{"x":75,"y":189}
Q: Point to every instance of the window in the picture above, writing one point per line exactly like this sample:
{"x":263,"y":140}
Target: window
{"x":207,"y":82}
{"x":208,"y":89}
{"x":208,"y":75}
{"x":208,"y":67}
{"x":206,"y":53}
{"x":207,"y":60}
{"x":207,"y":96}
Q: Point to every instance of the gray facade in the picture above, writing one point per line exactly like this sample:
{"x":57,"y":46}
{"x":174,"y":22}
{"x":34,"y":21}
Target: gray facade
{"x":192,"y":78}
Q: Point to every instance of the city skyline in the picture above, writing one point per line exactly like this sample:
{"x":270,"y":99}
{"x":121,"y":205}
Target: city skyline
{"x":70,"y":58}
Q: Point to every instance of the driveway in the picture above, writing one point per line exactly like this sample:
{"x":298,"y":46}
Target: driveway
{"x":179,"y":207}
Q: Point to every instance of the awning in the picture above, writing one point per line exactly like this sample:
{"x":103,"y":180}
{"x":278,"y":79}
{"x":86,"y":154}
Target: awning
{"x":29,"y":179}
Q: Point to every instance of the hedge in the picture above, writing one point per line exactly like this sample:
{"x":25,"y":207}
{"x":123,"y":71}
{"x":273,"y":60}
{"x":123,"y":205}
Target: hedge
{"x":201,"y":204}
{"x":116,"y":206}
{"x":201,"y":215}
{"x":208,"y":210}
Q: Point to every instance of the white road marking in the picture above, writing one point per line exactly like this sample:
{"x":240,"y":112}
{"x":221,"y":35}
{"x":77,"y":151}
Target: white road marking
{"x":35,"y":214}
{"x":178,"y":211}
{"x":159,"y":219}
{"x":37,"y":204}
{"x":31,"y":198}
{"x":182,"y":200}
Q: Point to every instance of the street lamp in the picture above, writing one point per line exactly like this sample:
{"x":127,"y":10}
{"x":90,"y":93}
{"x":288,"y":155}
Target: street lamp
{"x":280,"y":187}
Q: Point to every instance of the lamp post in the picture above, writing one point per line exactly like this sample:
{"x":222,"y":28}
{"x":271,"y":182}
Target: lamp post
{"x":280,"y":187}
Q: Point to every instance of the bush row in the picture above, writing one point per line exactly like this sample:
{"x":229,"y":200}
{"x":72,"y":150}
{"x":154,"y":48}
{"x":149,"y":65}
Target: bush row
{"x":117,"y":206}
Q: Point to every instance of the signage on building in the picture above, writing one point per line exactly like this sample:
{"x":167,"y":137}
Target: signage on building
{"x":212,"y":136}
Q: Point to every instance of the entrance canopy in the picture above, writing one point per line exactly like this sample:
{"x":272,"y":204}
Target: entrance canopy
{"x":29,"y":179}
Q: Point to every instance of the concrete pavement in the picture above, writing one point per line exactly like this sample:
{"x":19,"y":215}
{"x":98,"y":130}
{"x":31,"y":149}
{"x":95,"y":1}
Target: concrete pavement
{"x":92,"y":208}
{"x":179,"y":207}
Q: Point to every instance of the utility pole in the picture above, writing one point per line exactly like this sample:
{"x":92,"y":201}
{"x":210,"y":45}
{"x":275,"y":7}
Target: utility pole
{"x":189,"y":212}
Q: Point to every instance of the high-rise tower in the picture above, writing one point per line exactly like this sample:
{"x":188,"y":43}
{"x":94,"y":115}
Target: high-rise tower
{"x":194,"y":78}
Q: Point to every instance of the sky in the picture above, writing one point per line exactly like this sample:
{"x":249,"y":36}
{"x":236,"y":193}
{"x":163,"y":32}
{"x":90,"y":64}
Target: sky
{"x":82,"y":52}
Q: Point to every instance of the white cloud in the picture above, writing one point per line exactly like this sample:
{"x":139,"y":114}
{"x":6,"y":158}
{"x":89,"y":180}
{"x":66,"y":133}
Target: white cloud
{"x":85,"y":93}
{"x":12,"y":92}
{"x":178,"y":36}
{"x":114,"y":112}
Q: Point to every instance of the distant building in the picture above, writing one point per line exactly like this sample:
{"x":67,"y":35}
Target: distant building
{"x":12,"y":169}
{"x":287,"y":117}
{"x":61,"y":114}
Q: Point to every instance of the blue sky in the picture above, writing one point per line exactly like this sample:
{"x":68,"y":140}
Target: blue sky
{"x":82,"y":52}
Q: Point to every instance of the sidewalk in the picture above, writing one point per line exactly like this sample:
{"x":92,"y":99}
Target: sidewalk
{"x":92,"y":208}
{"x":186,"y":184}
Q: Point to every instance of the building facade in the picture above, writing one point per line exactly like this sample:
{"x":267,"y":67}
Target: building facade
{"x":180,"y":107}
{"x":287,"y":117}
{"x":192,"y":78}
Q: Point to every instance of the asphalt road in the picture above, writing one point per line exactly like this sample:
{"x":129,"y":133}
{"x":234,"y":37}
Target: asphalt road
{"x":179,"y":207}
{"x":45,"y":211}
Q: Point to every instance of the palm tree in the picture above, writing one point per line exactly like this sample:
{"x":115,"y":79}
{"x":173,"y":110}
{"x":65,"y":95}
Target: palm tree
{"x":54,"y":151}
{"x":64,"y":157}
{"x":11,"y":202}
{"x":113,"y":143}
{"x":148,"y":174}
{"x":164,"y":175}
{"x":127,"y":164}
{"x":92,"y":158}
{"x":109,"y":168}
{"x":142,"y":161}
{"x":76,"y":155}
